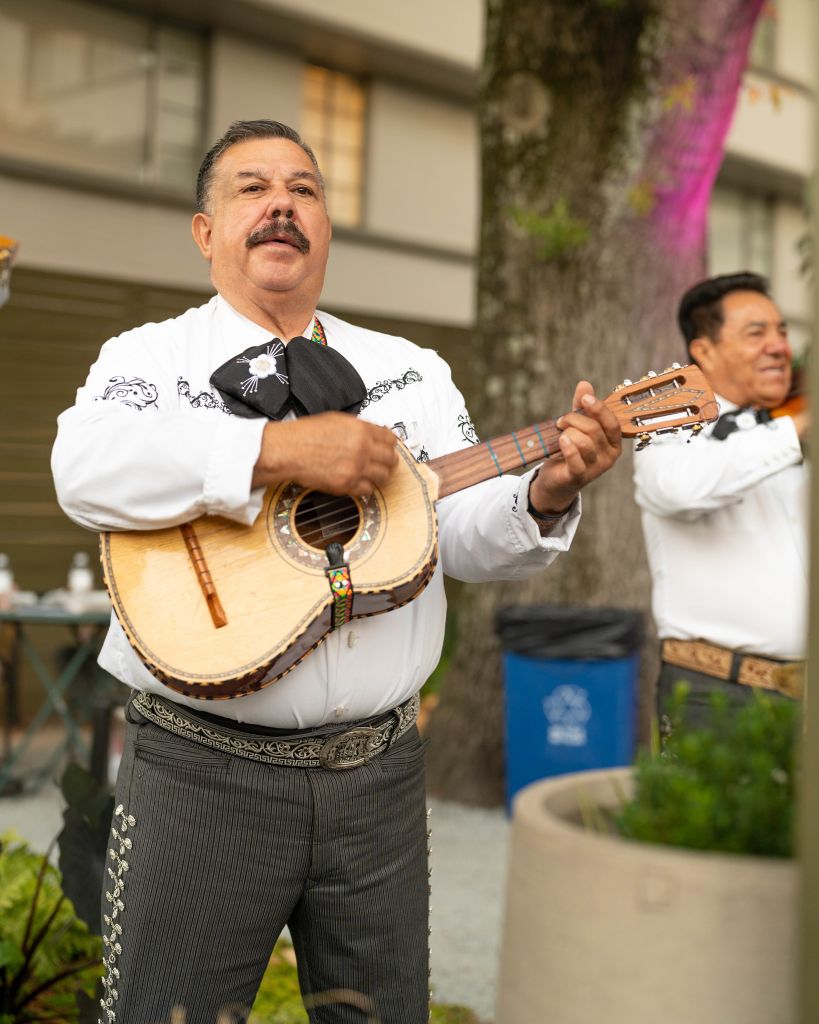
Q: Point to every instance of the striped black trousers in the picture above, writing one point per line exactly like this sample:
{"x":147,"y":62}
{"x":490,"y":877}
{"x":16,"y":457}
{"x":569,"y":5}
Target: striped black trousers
{"x":212,"y":854}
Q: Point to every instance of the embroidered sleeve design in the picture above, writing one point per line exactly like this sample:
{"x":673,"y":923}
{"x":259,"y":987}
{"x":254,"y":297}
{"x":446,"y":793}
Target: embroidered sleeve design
{"x":467,"y":428}
{"x":136,"y":392}
{"x":383,"y":387}
{"x":204,"y":400}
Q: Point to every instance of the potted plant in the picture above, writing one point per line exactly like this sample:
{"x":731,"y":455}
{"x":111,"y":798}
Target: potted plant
{"x":679,"y":904}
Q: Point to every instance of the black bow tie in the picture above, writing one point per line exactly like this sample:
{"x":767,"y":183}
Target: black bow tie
{"x":271,"y":379}
{"x":727,"y":423}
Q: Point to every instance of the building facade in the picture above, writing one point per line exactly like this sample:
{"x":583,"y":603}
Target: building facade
{"x":106,"y":109}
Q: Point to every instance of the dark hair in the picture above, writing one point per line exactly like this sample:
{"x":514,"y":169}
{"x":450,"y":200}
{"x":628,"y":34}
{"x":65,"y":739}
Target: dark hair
{"x":700,"y":311}
{"x":241,"y":131}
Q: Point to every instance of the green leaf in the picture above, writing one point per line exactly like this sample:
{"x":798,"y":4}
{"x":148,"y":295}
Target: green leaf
{"x":11,"y":955}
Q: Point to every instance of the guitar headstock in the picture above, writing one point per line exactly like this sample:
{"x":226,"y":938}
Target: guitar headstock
{"x":679,"y":397}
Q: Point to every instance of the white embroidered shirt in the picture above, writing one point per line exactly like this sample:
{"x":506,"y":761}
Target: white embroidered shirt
{"x":149,"y":444}
{"x":725,"y":524}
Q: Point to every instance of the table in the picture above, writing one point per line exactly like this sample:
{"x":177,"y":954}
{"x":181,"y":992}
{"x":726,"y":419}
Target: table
{"x":87,"y":629}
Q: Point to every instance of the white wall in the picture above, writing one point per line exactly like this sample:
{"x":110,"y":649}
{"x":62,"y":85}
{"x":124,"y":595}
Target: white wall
{"x":249,"y":80}
{"x":451,"y":30}
{"x":778,"y":134}
{"x":421,"y":179}
{"x":789,"y":286}
{"x":81,"y":232}
{"x":796,"y":40}
{"x":385,"y":282}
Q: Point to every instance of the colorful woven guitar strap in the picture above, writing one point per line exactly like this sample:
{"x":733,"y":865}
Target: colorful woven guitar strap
{"x":318,"y":335}
{"x":341,"y":585}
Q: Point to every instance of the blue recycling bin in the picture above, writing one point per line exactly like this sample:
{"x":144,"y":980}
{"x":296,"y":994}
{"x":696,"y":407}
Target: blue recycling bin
{"x":570,"y":686}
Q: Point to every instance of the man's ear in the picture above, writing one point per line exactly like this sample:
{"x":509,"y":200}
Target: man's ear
{"x":700,"y":350}
{"x":201,"y":229}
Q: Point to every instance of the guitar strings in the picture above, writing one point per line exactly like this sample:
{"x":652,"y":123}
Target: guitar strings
{"x":459,"y":462}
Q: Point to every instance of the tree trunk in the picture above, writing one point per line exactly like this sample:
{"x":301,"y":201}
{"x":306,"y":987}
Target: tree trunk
{"x":603,"y":125}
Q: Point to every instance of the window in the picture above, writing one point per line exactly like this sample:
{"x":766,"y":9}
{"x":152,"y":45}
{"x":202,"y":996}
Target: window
{"x":333,"y":126}
{"x":740,"y":232}
{"x":96,"y":90}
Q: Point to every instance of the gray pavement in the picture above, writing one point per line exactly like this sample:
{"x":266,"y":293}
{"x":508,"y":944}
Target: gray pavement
{"x":468,"y":860}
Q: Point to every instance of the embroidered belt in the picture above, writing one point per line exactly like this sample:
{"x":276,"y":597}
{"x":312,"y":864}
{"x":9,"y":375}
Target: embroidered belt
{"x":345,"y":748}
{"x":786,"y":677}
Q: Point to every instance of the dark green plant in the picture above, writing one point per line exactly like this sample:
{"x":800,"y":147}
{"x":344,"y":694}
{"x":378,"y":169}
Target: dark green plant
{"x":727,"y":787}
{"x":279,"y":1002}
{"x":49,"y":962}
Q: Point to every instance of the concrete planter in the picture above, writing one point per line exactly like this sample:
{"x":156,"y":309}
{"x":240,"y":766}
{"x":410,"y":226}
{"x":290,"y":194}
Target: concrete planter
{"x":605,"y":929}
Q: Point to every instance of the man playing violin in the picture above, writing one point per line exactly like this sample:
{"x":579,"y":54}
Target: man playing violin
{"x":725,"y":517}
{"x":227,"y":826}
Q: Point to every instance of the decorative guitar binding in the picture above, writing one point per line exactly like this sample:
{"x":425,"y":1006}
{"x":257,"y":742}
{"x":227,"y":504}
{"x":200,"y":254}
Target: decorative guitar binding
{"x":215,"y":609}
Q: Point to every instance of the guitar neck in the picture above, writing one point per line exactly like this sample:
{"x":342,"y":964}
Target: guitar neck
{"x":469,"y":466}
{"x":678,"y":398}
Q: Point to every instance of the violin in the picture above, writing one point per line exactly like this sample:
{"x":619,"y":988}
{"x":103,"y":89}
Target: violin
{"x":796,"y":400}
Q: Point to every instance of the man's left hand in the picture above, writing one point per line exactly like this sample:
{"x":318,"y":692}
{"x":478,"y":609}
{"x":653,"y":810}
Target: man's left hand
{"x":590,"y":444}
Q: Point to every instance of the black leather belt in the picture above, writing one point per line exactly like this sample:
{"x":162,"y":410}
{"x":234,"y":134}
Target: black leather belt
{"x":317,"y":748}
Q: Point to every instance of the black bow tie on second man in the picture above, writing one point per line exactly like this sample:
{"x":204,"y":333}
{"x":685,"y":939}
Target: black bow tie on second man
{"x":303,"y":376}
{"x":738,"y":419}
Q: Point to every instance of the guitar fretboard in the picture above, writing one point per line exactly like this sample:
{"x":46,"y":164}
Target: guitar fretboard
{"x":492,"y":458}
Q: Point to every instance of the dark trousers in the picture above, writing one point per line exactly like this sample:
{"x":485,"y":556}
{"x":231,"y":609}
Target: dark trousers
{"x":701,"y":688}
{"x":213,"y":854}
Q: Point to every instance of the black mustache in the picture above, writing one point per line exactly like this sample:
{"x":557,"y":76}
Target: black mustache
{"x":279,"y":229}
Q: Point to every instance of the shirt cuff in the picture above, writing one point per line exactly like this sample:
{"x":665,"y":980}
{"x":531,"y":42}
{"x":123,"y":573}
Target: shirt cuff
{"x":527,"y":532}
{"x":232,"y":457}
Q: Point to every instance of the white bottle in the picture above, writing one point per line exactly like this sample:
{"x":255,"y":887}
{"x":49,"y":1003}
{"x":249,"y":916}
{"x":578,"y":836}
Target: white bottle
{"x":80,"y":576}
{"x":6,"y":582}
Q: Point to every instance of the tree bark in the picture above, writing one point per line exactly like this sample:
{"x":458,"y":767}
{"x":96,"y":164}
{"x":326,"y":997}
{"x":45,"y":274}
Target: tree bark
{"x":603,"y":124}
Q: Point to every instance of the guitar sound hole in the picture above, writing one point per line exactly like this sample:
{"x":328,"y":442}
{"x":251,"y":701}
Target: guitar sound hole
{"x":320,"y":519}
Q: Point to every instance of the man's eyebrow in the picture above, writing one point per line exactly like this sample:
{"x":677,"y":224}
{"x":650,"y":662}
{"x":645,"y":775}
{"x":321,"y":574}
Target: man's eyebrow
{"x":259,"y":174}
{"x":753,"y":324}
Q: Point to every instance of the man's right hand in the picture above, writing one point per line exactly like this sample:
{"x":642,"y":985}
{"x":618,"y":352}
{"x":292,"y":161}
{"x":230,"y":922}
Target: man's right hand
{"x":332,"y":452}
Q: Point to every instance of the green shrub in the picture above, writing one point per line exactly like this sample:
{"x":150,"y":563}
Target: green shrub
{"x":727,"y":787}
{"x":279,"y":1002}
{"x":48,"y":958}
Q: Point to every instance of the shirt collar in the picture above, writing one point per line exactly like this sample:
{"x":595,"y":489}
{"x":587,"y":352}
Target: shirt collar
{"x":725,"y":404}
{"x":240,"y":333}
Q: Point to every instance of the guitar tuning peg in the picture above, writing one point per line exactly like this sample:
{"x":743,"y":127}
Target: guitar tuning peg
{"x":651,"y":373}
{"x":695,"y":428}
{"x":626,"y":383}
{"x":675,"y":366}
{"x":644,"y":440}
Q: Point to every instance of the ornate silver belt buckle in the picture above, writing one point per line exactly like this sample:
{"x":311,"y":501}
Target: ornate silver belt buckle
{"x":349,"y":749}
